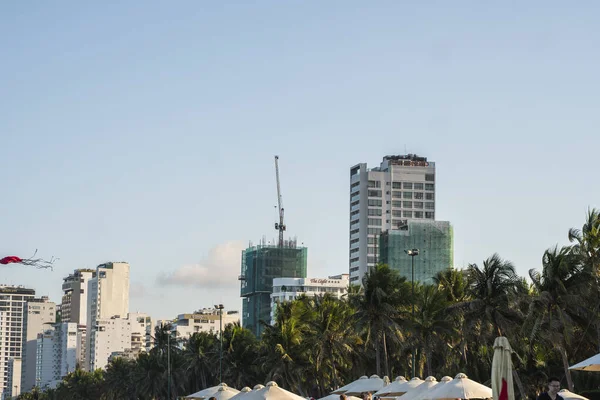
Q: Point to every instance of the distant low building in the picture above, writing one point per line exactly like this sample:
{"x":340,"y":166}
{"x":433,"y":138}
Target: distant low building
{"x":204,"y":320}
{"x":287,"y":289}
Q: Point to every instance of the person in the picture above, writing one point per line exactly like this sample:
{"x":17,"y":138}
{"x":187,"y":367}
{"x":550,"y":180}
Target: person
{"x":553,"y":388}
{"x":343,"y":397}
{"x":366,"y":396}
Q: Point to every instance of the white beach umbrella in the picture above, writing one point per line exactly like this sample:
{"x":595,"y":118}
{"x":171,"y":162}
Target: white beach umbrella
{"x":461,"y":387}
{"x":591,"y":364}
{"x":343,"y":389}
{"x":427,"y":384}
{"x":221,"y":390}
{"x":373,"y":384}
{"x":242,"y":392}
{"x":337,"y":397}
{"x":398,"y":388}
{"x":568,"y":395}
{"x":426,"y":395}
{"x":272,"y":392}
{"x":502,"y":380}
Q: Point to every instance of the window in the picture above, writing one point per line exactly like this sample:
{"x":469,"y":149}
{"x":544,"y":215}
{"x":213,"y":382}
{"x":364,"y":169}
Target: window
{"x":374,"y":184}
{"x":429,"y":196}
{"x":352,"y":251}
{"x":407,"y":195}
{"x":371,"y":240}
{"x":418,"y":214}
{"x":396,"y":203}
{"x":356,"y":184}
{"x":418,"y":204}
{"x":353,"y":241}
{"x":375,"y":221}
{"x":429,"y":177}
{"x":429,"y":215}
{"x":353,"y":213}
{"x":354,"y":231}
{"x":354,"y":203}
{"x":374,"y":231}
{"x":397,"y":194}
{"x":374,"y":193}
{"x":354,"y":269}
{"x":419,"y":195}
{"x":355,"y":259}
{"x":429,"y":186}
{"x":371,"y":260}
{"x":418,"y":186}
{"x":407,"y":185}
{"x":429,"y":206}
{"x":397,"y":185}
{"x":374,"y":203}
{"x":355,"y":196}
{"x":396,"y":213}
{"x":407,"y":204}
{"x":407,"y":214}
{"x":375,"y":212}
{"x":355,"y":222}
{"x":371,"y":250}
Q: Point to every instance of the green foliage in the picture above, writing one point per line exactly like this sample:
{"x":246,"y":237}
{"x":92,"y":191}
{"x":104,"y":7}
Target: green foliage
{"x":321,"y":343}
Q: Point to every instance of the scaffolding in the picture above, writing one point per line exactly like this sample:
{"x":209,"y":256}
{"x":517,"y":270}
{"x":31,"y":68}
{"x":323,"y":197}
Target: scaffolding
{"x":435,"y":241}
{"x":260,"y":264}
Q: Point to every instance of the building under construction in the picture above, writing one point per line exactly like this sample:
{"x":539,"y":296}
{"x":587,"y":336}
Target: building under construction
{"x":260,"y":264}
{"x":433,"y":239}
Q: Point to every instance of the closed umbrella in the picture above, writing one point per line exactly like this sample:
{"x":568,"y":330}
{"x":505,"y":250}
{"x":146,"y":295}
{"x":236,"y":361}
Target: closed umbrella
{"x":591,"y":364}
{"x":502,"y":380}
{"x":461,"y":387}
{"x":343,"y":389}
{"x":373,"y":384}
{"x":427,"y":395}
{"x":212,"y":392}
{"x":272,"y":392}
{"x":428,"y":383}
{"x":568,"y":395}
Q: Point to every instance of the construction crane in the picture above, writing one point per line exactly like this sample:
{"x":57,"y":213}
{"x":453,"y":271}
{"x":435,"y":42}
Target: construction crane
{"x":280,"y":226}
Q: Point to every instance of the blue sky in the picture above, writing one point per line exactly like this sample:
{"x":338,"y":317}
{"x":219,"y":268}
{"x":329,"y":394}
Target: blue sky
{"x":146,"y":131}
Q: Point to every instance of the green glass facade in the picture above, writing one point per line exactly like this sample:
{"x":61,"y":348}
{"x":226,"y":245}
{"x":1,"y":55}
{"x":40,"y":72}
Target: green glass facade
{"x":435,"y":241}
{"x":260,"y":264}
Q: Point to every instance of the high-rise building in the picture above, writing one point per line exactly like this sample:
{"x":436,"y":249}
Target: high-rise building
{"x":204,"y":320}
{"x":108,"y":299}
{"x":288,"y":289}
{"x":13,"y":385}
{"x":74,"y":301}
{"x":110,"y":335}
{"x":260,"y":265}
{"x":384,"y":198}
{"x":433,"y":239}
{"x":41,"y":314}
{"x":13,"y":309}
{"x":141,"y":332}
{"x":58,"y":353}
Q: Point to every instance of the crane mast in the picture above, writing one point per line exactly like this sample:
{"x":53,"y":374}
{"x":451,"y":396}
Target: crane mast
{"x":280,"y":226}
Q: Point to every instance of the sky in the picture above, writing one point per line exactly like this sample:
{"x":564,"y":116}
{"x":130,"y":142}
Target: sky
{"x":145,"y":131}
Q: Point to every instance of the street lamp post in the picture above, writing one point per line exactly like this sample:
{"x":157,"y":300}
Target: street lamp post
{"x":413,"y":253}
{"x":220,"y":308}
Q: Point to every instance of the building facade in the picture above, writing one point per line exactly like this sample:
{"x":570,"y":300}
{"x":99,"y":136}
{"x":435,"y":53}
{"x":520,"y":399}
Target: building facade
{"x":108,"y":300}
{"x":384,"y":198}
{"x":288,"y":289}
{"x":204,"y":320}
{"x":433,"y":239}
{"x":58,"y":353}
{"x":41,"y":314}
{"x":13,"y":311}
{"x":75,"y":296}
{"x":260,"y":265}
{"x":142,"y":332}
{"x":13,"y":386}
{"x":110,"y":335}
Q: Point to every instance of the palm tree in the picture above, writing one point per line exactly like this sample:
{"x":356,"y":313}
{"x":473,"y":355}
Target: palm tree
{"x":118,"y":380}
{"x":559,"y":307}
{"x":200,"y":351}
{"x":378,"y":310}
{"x":453,"y":282}
{"x":239,"y":359}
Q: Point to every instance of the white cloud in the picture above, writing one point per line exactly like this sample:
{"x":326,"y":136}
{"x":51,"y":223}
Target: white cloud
{"x":219,"y":270}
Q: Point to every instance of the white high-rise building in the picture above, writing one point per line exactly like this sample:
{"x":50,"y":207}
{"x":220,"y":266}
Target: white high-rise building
{"x":75,"y":296}
{"x":110,"y":335}
{"x":384,"y":198}
{"x":204,"y":320}
{"x":288,"y":289}
{"x":13,"y":301}
{"x":41,"y":314}
{"x":141,"y":332}
{"x":108,"y":300}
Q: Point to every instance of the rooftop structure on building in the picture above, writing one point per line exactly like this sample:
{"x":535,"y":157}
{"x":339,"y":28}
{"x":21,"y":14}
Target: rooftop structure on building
{"x":260,"y":265}
{"x":385,"y":198}
{"x":203,"y":320}
{"x":75,"y":296}
{"x":434,"y":241}
{"x":288,"y":289}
